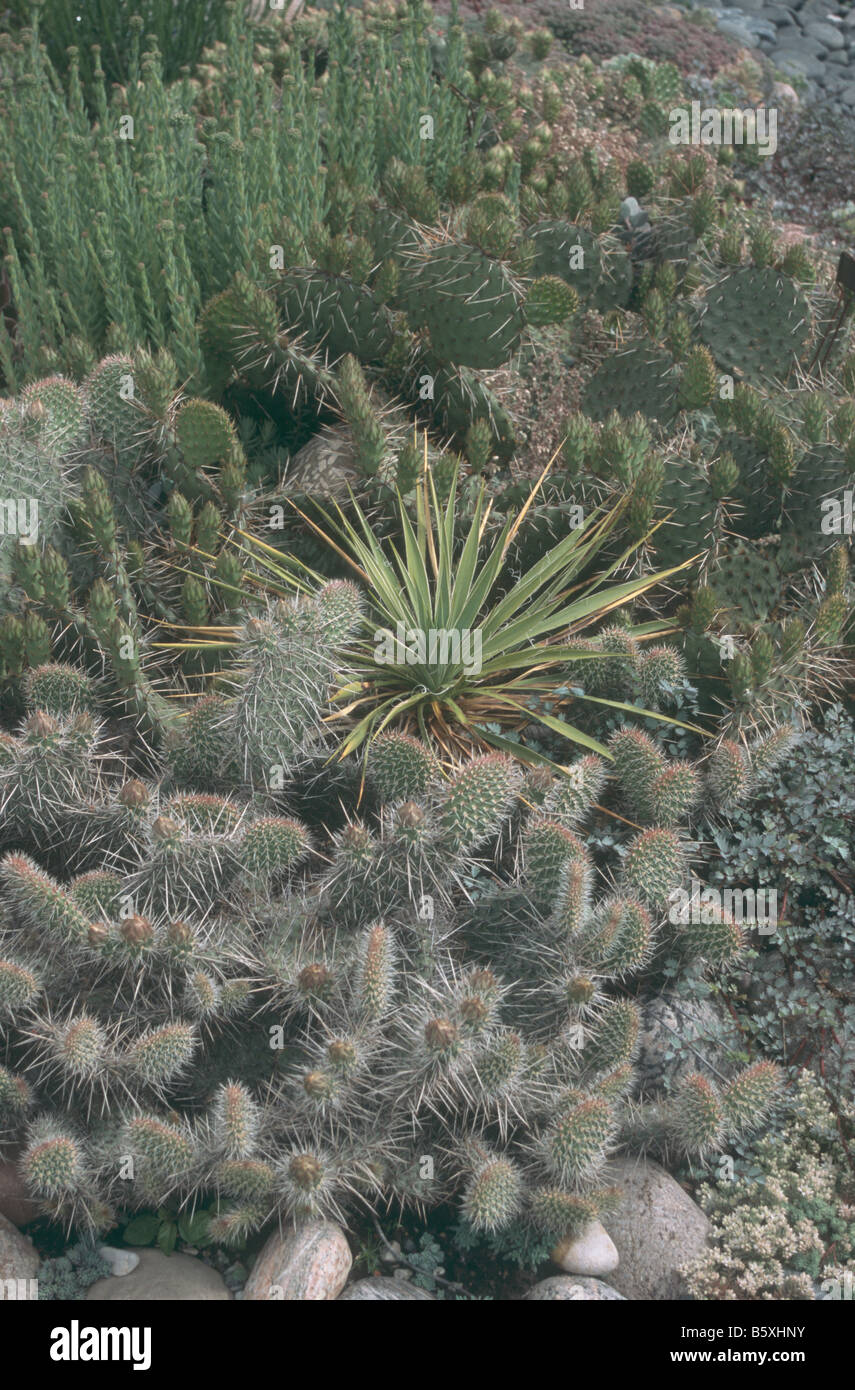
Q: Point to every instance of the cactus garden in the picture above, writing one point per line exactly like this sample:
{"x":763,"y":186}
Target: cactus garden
{"x":426,"y":658}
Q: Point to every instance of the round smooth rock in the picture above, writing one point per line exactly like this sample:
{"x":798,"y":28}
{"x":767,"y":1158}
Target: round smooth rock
{"x":657,"y":1229}
{"x":591,"y":1252}
{"x":162,"y":1278}
{"x":19,"y":1259}
{"x":795,"y":64}
{"x":828,"y":35}
{"x":121,"y":1262}
{"x":561,"y":1289}
{"x":738,"y":32}
{"x":310,"y":1264}
{"x":383,"y":1290}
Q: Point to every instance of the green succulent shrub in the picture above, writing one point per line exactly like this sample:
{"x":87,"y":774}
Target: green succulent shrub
{"x":181,"y":33}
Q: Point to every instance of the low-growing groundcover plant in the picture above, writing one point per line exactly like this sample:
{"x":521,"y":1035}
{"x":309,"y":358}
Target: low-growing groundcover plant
{"x":798,"y":838}
{"x":434,"y":995}
{"x":784,"y":1224}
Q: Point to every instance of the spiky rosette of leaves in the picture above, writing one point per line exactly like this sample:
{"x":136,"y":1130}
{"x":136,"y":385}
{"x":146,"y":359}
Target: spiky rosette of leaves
{"x":493,"y":1195}
{"x":748,"y":1099}
{"x":654,"y":864}
{"x":401,"y":768}
{"x":575,"y":1143}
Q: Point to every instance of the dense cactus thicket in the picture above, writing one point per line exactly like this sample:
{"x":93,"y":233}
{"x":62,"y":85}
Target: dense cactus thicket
{"x":363,"y":320}
{"x":408,"y":1034}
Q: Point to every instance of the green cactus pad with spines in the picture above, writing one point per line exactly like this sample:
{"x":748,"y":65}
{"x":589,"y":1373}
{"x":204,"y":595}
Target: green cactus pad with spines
{"x":117,"y":414}
{"x":639,"y":380}
{"x":469,"y":305}
{"x":55,"y":408}
{"x":336,"y":314}
{"x":756,"y":322}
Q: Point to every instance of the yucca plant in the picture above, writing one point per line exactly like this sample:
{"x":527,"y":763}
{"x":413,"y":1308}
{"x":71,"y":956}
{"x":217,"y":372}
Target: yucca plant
{"x":444,"y":650}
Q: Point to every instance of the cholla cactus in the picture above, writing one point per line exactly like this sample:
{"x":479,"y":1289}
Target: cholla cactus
{"x":440,"y":1042}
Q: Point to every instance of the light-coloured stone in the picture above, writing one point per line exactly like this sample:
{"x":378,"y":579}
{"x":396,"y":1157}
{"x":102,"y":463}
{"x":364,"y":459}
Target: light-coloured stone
{"x":657,"y":1228}
{"x":782,"y":92}
{"x":161,"y":1278}
{"x":18,"y":1257}
{"x":121,"y":1262}
{"x":591,"y":1252}
{"x":561,"y":1288}
{"x":16,"y":1204}
{"x":386,"y":1290}
{"x":309,"y":1264}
